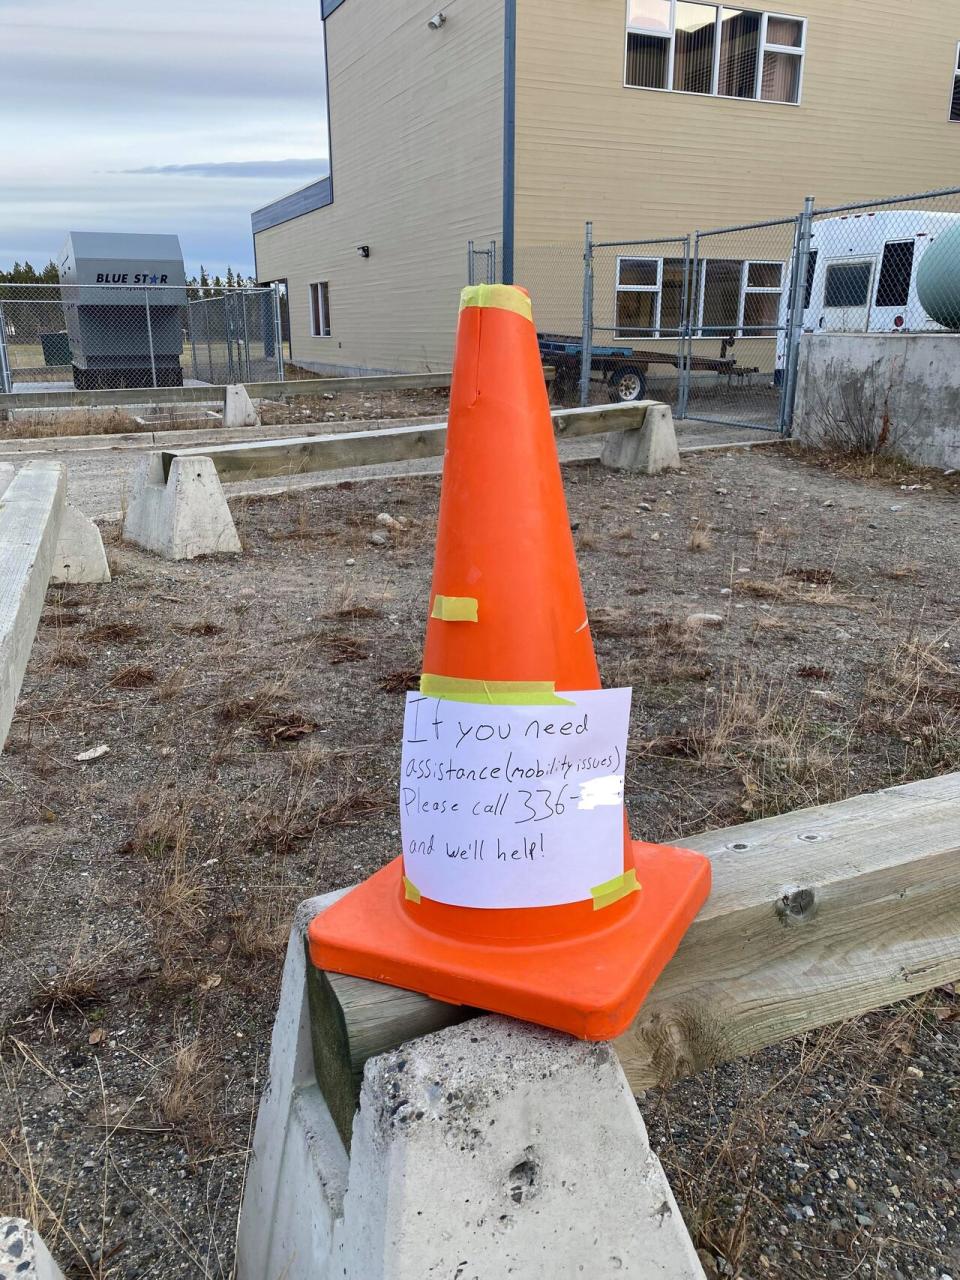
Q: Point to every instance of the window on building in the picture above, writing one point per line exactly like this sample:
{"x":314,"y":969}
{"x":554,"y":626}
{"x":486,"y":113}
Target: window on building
{"x":320,"y":309}
{"x":762,"y":288}
{"x":739,"y":298}
{"x":721,"y":282}
{"x":649,"y":297}
{"x":722,"y":50}
{"x":782,"y":64}
{"x":955,"y":99}
{"x":896,"y":270}
{"x":847,"y":284}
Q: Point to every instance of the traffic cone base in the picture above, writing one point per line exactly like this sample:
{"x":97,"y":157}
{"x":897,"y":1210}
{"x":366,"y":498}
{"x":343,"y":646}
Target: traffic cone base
{"x":589,"y":985}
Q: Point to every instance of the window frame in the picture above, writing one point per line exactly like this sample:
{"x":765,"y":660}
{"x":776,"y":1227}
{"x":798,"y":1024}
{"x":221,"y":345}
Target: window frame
{"x":737,"y":331}
{"x":796,"y":50}
{"x":763,"y":46}
{"x":657,"y":288}
{"x":322,"y":307}
{"x":862,"y":260}
{"x":951,"y":118}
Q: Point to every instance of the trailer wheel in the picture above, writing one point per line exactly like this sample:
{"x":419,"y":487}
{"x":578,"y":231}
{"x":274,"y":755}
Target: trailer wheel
{"x":629,"y":383}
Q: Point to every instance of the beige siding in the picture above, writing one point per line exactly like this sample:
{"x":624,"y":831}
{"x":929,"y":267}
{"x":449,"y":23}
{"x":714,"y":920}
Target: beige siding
{"x":873,"y":120}
{"x":416,"y":123}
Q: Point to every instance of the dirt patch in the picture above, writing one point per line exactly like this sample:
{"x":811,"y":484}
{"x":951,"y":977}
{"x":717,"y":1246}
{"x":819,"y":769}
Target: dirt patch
{"x":252,"y":711}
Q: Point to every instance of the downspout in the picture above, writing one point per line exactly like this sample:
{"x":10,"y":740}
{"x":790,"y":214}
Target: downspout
{"x":509,"y":132}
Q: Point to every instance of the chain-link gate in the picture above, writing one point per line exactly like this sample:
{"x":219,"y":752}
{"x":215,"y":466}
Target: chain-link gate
{"x":739,"y":325}
{"x":482,"y":263}
{"x":636,"y":301}
{"x":95,"y":337}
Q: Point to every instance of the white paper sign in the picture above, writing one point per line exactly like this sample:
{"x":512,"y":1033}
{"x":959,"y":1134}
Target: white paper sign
{"x":513,"y":806}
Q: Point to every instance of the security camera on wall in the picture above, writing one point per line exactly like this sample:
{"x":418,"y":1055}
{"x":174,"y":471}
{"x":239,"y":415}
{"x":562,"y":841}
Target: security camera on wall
{"x":437,"y":21}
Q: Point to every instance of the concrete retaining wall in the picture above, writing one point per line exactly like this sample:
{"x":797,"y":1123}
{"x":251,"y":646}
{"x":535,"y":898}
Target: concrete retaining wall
{"x":910,"y":383}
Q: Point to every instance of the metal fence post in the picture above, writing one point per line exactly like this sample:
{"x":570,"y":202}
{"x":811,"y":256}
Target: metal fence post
{"x":470,"y":279}
{"x":686,"y":306}
{"x":153,"y":363}
{"x":586,"y":336}
{"x":278,"y":329}
{"x":797,"y":293}
{"x":6,"y":381}
{"x":492,"y":263}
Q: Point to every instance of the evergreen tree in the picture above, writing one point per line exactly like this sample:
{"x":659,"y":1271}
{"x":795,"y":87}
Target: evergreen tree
{"x":204,"y":281}
{"x":230,"y":279}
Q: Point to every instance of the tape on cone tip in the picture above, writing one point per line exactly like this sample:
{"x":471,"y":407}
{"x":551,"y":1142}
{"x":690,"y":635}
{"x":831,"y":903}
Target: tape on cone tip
{"x":611,"y":891}
{"x":455,"y":609}
{"x":503,"y":693}
{"x":410,"y":890}
{"x":506,"y":297}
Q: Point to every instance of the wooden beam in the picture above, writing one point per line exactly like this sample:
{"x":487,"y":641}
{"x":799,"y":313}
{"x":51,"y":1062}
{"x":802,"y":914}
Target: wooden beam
{"x":815,"y":916}
{"x":31,"y":509}
{"x":292,"y":456}
{"x":292,"y":389}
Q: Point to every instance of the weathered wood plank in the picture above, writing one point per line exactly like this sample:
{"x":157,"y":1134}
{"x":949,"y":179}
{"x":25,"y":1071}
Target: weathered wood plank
{"x":31,"y":509}
{"x":294,"y":388}
{"x":290,"y":457}
{"x":815,"y":916}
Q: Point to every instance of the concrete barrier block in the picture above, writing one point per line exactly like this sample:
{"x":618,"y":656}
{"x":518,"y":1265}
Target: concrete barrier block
{"x":497,"y":1148}
{"x":650,"y":449}
{"x":238,"y":408}
{"x":487,"y":1150}
{"x":80,"y":556}
{"x":31,"y":509}
{"x":7,"y":471}
{"x":23,"y":1255}
{"x":186,"y":516}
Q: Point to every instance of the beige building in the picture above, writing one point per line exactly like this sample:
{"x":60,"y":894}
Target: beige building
{"x":515,"y":121}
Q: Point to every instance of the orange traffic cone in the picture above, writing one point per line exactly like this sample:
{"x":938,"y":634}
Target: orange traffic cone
{"x":507,"y":627}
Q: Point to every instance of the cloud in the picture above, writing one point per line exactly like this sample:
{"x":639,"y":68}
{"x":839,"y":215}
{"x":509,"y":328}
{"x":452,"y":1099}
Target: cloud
{"x":132,"y":117}
{"x":311,"y":167}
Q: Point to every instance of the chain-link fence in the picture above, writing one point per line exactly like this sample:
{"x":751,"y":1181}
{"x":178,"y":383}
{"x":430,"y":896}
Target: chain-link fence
{"x":97,"y":337}
{"x":712,"y":323}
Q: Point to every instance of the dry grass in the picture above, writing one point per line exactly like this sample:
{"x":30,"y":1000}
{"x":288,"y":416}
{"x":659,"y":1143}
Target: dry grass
{"x":186,"y":1089}
{"x":699,"y":539}
{"x":354,"y":801}
{"x":68,"y":653}
{"x":402,"y":680}
{"x":115,"y":633}
{"x":84,"y":979}
{"x":793,"y":588}
{"x":201,"y":627}
{"x":265,"y":713}
{"x":775,"y":750}
{"x":135,"y":676}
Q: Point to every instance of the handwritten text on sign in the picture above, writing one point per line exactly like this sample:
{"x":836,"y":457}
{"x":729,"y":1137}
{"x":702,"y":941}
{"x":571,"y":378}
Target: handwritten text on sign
{"x":505,"y":806}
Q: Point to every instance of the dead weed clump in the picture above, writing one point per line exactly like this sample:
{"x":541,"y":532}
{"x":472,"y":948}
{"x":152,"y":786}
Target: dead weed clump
{"x":265,"y":714}
{"x":185,"y":1091}
{"x":135,"y":676}
{"x":115,"y":633}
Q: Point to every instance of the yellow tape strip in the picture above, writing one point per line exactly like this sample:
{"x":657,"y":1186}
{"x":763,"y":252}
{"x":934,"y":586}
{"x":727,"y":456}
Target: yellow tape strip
{"x":506,"y":693}
{"x":455,"y":608}
{"x":505,"y":296}
{"x":611,"y":891}
{"x":410,"y":890}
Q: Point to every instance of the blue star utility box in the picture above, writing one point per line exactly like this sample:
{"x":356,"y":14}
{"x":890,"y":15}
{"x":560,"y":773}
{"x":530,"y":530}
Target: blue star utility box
{"x":129,"y":331}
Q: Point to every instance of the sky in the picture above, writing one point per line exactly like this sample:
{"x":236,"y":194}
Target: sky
{"x":131,"y":115}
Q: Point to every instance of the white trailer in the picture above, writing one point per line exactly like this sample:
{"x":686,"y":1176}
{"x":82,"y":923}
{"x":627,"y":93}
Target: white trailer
{"x":862,"y":274}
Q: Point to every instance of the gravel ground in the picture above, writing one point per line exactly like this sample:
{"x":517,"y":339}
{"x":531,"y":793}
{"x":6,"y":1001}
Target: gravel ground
{"x":251,"y":710}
